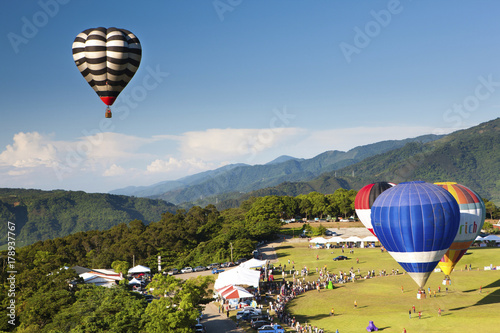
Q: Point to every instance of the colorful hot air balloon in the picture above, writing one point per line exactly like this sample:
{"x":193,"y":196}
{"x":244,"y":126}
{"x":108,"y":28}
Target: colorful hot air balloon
{"x":108,"y":59}
{"x":364,"y":201}
{"x":416,"y":222}
{"x":472,"y":215}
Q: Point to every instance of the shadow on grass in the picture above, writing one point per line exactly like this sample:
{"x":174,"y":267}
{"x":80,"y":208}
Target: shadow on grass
{"x":383,"y":328}
{"x":281,"y":247}
{"x":282,"y":254}
{"x":489,"y":298}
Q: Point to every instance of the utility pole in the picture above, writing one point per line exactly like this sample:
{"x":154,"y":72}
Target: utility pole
{"x":231,"y":251}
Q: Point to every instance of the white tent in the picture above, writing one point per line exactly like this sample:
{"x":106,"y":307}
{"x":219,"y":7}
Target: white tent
{"x":478,"y":239}
{"x":335,"y":239}
{"x":370,"y":239}
{"x":238,"y":275}
{"x":237,"y":293}
{"x":134,"y":281}
{"x":252,"y":263}
{"x":139,"y":269}
{"x":353,"y":239}
{"x":318,"y":240}
{"x":490,"y":238}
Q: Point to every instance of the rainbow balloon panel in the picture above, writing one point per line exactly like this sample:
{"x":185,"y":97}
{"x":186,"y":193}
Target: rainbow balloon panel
{"x":472,"y":215}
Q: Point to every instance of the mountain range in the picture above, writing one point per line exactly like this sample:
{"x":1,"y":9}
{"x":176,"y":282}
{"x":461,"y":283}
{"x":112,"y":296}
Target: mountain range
{"x":243,"y":178}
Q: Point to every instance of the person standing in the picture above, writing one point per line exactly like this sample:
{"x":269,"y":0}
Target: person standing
{"x":355,"y":304}
{"x":404,"y":330}
{"x":409,"y":313}
{"x":332,"y":312}
{"x":413,"y":307}
{"x":402,"y":289}
{"x":439,"y":312}
{"x":419,"y":314}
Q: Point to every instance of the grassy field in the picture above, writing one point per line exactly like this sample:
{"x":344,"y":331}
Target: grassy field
{"x":464,"y":308}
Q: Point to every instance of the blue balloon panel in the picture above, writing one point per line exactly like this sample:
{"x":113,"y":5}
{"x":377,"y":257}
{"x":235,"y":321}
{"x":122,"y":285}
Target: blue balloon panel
{"x":416,"y":222}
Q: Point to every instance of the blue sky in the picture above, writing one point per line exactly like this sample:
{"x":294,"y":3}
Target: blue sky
{"x":237,"y":81}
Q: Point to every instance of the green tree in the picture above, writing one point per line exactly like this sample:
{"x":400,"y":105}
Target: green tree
{"x":178,"y":306}
{"x":99,"y":309}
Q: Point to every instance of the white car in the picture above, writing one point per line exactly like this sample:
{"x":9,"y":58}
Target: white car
{"x":187,"y":270}
{"x":249,"y":310}
{"x":271,"y":329}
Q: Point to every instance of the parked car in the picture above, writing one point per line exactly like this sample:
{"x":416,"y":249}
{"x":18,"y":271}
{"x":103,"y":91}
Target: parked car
{"x":199,"y":268}
{"x":173,"y":271}
{"x":217,"y":271}
{"x":340,"y":258}
{"x":259,"y":323}
{"x":187,"y":270}
{"x":239,"y":261}
{"x":271,"y":329}
{"x":212,"y":266}
{"x":244,"y":316}
{"x":247,"y":313}
{"x":261,"y":316}
{"x":328,"y":232}
{"x":227,"y":264}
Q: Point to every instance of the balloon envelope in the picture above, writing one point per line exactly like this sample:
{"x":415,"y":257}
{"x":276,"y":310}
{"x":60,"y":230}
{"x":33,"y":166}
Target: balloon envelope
{"x":416,"y":222}
{"x":108,"y":59}
{"x":365,"y":199}
{"x":472,"y":215}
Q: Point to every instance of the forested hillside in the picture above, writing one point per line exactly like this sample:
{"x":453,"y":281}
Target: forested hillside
{"x":245,"y":178}
{"x":40,"y":215}
{"x":470,"y":157}
{"x":46,"y":302}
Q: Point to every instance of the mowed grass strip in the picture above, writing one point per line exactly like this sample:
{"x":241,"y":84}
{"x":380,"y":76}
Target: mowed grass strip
{"x":464,"y":307}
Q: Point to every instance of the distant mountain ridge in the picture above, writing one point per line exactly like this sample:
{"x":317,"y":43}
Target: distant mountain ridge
{"x":470,"y":157}
{"x":245,"y":178}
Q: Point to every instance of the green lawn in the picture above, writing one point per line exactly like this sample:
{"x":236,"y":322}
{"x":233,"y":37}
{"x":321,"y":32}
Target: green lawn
{"x":380,"y":299}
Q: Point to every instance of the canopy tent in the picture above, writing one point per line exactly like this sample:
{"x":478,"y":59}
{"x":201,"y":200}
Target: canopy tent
{"x":335,"y":239}
{"x":237,"y":293}
{"x":370,"y":239}
{"x":353,"y":239}
{"x":478,"y":239}
{"x":134,"y":281}
{"x":490,"y":238}
{"x":318,"y":240}
{"x":253,"y":263}
{"x":139,"y":269}
{"x":238,"y":275}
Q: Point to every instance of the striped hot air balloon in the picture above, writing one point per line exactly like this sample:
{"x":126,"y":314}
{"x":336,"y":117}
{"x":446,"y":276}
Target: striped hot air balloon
{"x":472,"y":215}
{"x":416,"y":222}
{"x":108,"y":59}
{"x":365,"y":199}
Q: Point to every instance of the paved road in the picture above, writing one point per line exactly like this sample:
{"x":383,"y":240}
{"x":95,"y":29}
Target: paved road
{"x":216,"y":322}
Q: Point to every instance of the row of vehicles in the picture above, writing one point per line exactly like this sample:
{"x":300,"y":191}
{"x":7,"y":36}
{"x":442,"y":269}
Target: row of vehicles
{"x":258,"y":320}
{"x":214,"y":267}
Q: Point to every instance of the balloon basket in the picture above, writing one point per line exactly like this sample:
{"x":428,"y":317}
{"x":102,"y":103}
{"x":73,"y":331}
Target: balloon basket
{"x":108,"y":113}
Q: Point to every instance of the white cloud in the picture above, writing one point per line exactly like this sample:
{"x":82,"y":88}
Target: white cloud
{"x":111,"y":160}
{"x":222,"y":144}
{"x":174,"y":165}
{"x":29,"y":150}
{"x":114,"y":170}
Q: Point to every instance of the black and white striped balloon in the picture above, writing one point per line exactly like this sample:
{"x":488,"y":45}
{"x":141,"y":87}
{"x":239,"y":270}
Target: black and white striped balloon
{"x":108,"y":59}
